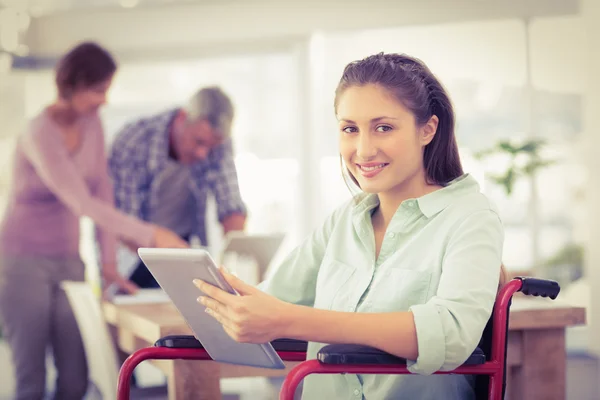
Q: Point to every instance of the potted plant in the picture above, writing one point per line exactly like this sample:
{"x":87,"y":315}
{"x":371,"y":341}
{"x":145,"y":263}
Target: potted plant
{"x":566,"y":265}
{"x":524,"y":162}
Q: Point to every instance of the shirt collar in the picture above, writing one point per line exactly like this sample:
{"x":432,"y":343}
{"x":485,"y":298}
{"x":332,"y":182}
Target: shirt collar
{"x":435,"y":202}
{"x":163,"y":122}
{"x":429,"y":204}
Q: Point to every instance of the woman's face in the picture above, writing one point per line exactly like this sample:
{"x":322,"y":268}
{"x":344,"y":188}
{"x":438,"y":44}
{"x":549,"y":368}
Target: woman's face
{"x":380,"y":142}
{"x":88,"y":100}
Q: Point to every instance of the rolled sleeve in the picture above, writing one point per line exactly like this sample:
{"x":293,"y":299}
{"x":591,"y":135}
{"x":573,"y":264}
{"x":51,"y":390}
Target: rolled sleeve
{"x":450,"y":325}
{"x":431,"y":340}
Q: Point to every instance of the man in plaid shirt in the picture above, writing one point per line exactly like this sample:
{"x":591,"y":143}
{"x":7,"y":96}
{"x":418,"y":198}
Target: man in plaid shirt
{"x":164,"y":166}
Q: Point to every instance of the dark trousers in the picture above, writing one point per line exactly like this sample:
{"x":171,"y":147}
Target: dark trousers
{"x":36,"y":315}
{"x":142,"y":277}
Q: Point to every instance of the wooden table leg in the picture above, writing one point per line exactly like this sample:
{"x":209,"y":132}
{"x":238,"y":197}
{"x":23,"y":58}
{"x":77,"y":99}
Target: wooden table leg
{"x":194,"y":380}
{"x":542,"y":373}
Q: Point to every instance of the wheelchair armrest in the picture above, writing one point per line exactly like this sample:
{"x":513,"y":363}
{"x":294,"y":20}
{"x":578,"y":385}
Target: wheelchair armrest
{"x":190,"y":342}
{"x":349,"y":354}
{"x":290,"y":345}
{"x":539,"y":287}
{"x":179,"y":342}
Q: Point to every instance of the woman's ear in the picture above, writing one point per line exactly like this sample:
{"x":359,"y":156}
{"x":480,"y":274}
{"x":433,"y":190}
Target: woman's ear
{"x":429,"y":130}
{"x":65,"y":93}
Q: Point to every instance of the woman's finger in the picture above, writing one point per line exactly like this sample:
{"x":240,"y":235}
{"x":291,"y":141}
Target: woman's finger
{"x":214,"y":292}
{"x":212,"y":313}
{"x":128,"y":286}
{"x":222,"y":319}
{"x":212,"y":304}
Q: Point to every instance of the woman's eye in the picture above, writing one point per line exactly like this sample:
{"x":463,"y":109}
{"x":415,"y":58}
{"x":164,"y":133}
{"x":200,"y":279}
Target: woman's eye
{"x":349,"y":129}
{"x":384,"y":128}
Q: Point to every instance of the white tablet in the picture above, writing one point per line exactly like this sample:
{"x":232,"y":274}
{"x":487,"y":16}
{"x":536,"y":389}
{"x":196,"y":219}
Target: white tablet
{"x":174,"y":270}
{"x":261,"y":247}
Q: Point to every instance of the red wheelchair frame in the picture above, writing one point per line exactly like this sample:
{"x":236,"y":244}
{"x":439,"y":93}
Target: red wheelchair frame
{"x":488,"y":361}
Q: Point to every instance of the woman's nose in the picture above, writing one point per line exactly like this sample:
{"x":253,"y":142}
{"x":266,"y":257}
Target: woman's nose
{"x":365,"y":149}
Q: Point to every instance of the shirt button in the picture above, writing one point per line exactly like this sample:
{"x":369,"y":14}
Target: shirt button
{"x":391,"y":234}
{"x":351,"y":309}
{"x":356,"y":392}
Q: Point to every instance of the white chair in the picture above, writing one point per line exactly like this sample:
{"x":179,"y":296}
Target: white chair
{"x":101,"y":356}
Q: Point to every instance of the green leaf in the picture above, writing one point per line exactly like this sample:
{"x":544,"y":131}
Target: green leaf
{"x":570,"y":254}
{"x":534,"y":165}
{"x":506,"y":147}
{"x":532,"y":146}
{"x":507,"y":180}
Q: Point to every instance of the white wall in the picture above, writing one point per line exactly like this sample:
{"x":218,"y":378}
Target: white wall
{"x":241,"y":24}
{"x":591,"y":14}
{"x":237,"y":25}
{"x":12,"y":119}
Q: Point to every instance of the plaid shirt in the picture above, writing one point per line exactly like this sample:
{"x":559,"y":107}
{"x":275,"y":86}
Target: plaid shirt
{"x":139,"y":153}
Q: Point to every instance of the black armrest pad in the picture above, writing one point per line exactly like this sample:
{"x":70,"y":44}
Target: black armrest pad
{"x":356,"y":354}
{"x":349,"y":354}
{"x":190,"y":342}
{"x":289,"y":345}
{"x":539,"y":287}
{"x":179,"y":342}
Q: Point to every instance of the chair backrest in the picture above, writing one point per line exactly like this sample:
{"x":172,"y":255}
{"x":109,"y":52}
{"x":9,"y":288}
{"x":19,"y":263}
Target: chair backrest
{"x":99,"y":348}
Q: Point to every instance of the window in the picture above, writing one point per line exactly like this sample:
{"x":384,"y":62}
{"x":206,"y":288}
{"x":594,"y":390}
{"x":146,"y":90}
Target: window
{"x":484,"y":67}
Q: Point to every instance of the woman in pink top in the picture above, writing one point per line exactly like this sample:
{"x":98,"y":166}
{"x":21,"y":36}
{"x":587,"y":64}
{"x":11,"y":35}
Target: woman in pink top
{"x":60,"y":174}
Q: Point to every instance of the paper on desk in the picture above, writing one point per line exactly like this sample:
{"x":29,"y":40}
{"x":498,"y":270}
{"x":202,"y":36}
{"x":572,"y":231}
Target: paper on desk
{"x":142,"y":296}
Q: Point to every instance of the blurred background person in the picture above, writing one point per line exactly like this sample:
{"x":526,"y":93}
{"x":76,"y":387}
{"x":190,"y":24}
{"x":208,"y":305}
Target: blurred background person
{"x":165,"y":165}
{"x":59,"y":175}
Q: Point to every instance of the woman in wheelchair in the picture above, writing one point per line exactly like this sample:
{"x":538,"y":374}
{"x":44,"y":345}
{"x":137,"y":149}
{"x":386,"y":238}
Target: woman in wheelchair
{"x":410,"y":266}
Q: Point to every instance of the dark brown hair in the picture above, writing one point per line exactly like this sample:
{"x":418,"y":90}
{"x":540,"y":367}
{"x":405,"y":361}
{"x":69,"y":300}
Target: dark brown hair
{"x":86,"y":65}
{"x":411,"y":82}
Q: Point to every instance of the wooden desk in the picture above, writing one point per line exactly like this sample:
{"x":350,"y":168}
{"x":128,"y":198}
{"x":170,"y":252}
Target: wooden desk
{"x":536,"y":349}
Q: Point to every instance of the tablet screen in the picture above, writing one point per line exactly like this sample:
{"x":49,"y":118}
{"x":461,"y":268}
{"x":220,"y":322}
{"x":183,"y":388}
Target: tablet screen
{"x":175,"y":270}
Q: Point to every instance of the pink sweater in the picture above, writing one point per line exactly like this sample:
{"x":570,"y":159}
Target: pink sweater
{"x":51,"y":189}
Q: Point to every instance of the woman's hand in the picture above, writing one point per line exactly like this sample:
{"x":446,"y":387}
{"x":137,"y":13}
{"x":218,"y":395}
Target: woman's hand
{"x":253,"y":317}
{"x":111,"y":276}
{"x":132,"y":246}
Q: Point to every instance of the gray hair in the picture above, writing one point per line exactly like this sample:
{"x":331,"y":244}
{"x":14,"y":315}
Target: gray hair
{"x":213,"y":105}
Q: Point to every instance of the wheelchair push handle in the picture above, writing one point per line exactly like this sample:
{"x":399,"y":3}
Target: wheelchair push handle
{"x":539,"y":287}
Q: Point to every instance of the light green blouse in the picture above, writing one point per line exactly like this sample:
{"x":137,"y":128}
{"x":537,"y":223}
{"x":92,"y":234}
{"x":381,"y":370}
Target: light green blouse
{"x":440,"y":258}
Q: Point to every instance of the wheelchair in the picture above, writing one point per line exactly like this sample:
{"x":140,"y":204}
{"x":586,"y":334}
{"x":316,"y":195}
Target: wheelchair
{"x":487,"y":363}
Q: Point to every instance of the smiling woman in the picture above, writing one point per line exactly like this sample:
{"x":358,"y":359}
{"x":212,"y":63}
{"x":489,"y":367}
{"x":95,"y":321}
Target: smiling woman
{"x":410,"y":267}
